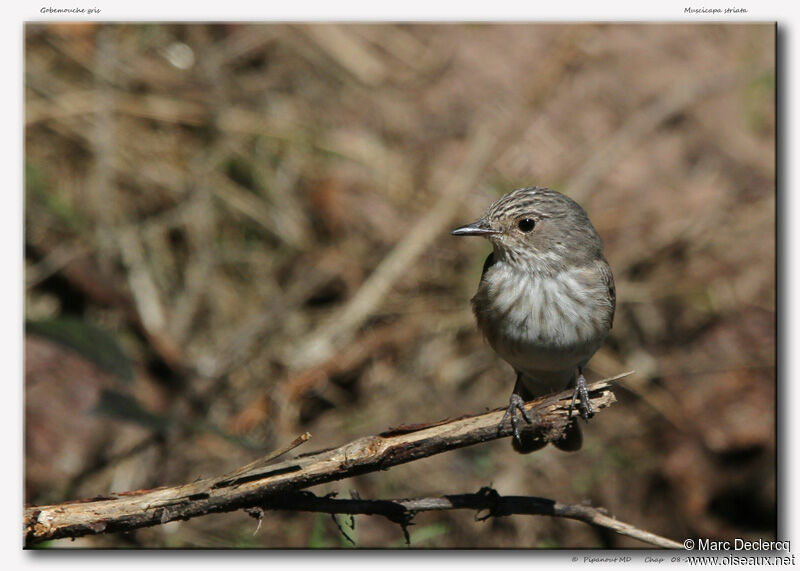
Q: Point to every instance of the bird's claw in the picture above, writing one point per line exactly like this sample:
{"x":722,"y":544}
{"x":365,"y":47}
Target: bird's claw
{"x":582,"y":395}
{"x":515,"y":407}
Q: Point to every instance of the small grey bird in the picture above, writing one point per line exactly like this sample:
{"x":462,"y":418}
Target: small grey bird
{"x":545,"y":301}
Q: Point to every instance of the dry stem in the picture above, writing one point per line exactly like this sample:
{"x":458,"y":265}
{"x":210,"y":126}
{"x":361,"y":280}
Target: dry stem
{"x":403,"y":511}
{"x":252,"y":488}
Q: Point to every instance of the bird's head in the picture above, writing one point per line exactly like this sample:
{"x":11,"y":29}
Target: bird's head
{"x":534,"y":226}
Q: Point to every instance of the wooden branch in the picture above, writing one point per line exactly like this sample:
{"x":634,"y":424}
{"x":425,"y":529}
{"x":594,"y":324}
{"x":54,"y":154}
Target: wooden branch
{"x":130,"y":510}
{"x":403,"y":511}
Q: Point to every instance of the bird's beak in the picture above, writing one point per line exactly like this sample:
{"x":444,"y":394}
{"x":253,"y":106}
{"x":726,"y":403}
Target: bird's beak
{"x":478,"y":228}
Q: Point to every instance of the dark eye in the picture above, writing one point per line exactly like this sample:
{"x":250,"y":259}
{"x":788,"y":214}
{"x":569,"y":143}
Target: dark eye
{"x":526,"y":224}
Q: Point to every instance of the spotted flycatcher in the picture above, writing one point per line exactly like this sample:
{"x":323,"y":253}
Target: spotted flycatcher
{"x":545,"y":301}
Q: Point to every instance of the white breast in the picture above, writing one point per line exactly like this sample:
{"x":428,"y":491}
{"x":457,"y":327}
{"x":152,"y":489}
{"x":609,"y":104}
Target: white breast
{"x":543,"y":326}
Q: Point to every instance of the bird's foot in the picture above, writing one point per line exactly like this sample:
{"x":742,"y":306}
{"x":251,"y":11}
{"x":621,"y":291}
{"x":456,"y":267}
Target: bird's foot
{"x":582,"y":395}
{"x":515,"y":409}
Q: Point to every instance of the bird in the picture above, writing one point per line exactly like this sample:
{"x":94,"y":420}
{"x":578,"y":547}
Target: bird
{"x":545,"y":302}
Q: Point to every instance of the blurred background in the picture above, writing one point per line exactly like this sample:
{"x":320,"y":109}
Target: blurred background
{"x":237,"y":233}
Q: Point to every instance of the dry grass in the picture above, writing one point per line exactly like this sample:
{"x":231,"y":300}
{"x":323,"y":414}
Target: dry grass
{"x":258,"y":214}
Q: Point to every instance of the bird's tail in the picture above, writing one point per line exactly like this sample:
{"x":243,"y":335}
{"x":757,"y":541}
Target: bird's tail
{"x":531,"y":440}
{"x":572,"y":438}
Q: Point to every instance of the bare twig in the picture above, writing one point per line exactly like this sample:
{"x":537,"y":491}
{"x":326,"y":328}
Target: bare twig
{"x":402,"y":511}
{"x":305,"y":437}
{"x":251,"y":488}
{"x":595,"y":517}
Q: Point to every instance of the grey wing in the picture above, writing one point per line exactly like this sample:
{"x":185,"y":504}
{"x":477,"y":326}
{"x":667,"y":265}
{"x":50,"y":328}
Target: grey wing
{"x":608,"y":280}
{"x":481,"y":293}
{"x":489,"y":263}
